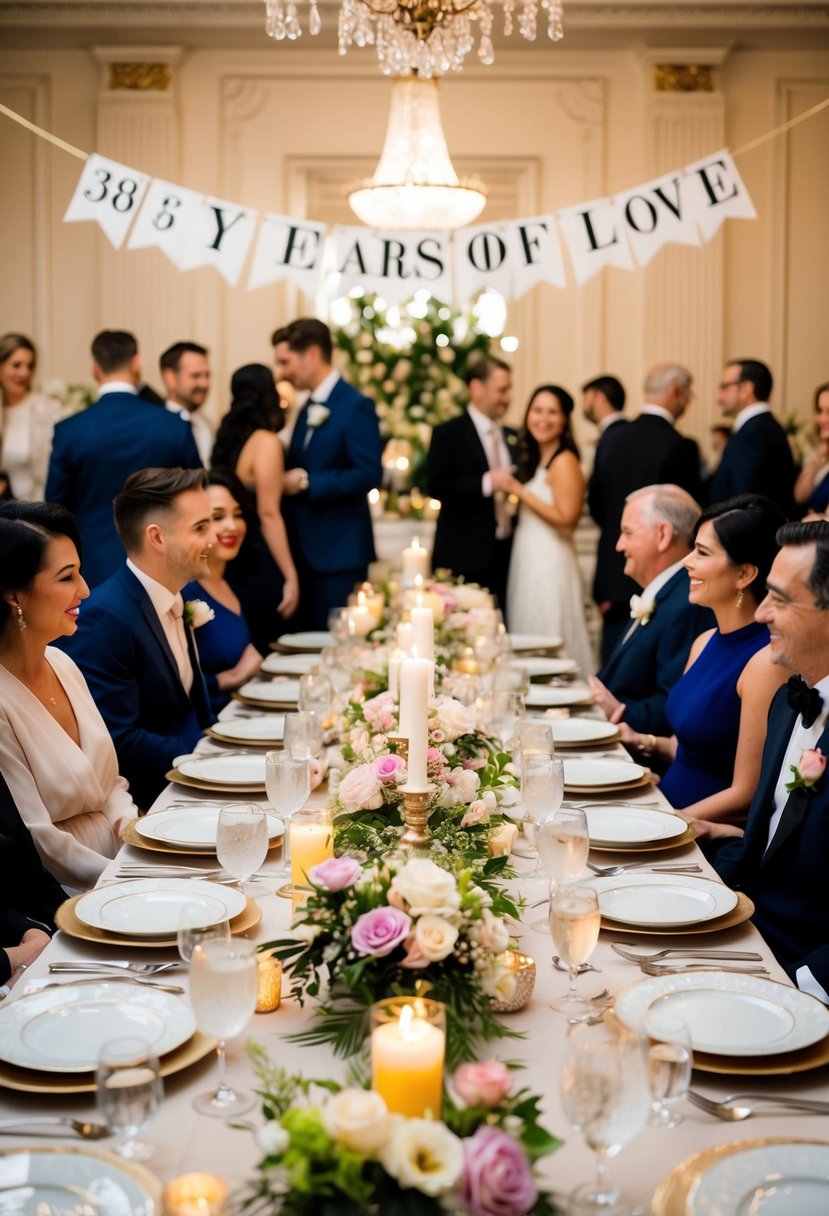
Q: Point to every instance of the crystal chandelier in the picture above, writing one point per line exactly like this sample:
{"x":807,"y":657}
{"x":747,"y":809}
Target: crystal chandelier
{"x":415,"y":185}
{"x":428,"y":37}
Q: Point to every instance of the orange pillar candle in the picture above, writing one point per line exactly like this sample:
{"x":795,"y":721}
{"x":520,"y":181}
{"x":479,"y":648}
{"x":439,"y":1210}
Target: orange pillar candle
{"x":408,"y":1043}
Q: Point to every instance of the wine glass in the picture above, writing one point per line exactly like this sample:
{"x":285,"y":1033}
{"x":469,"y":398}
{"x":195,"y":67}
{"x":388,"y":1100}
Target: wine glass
{"x":509,"y":676}
{"x":128,"y":1092}
{"x":604,"y":1093}
{"x":500,"y":713}
{"x":193,"y":932}
{"x":535,"y":738}
{"x":574,"y":923}
{"x":315,"y":693}
{"x":563,"y":845}
{"x":223,"y":983}
{"x":242,"y":839}
{"x":288,"y":782}
{"x":542,"y":789}
{"x":670,"y":1060}
{"x":302,"y":734}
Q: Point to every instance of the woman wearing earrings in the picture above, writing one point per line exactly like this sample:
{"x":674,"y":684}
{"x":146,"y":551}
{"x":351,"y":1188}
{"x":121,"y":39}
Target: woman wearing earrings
{"x":27,"y":418}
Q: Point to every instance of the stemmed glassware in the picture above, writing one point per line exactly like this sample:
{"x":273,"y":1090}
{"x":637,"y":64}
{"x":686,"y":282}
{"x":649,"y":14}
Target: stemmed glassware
{"x":242,"y":839}
{"x":604,"y":1093}
{"x":563,"y":845}
{"x":670,"y":1061}
{"x":302,"y":734}
{"x":129,"y":1090}
{"x":315,"y":693}
{"x":574,"y":923}
{"x":223,"y":983}
{"x":288,"y":782}
{"x":192,"y":932}
{"x":542,"y":791}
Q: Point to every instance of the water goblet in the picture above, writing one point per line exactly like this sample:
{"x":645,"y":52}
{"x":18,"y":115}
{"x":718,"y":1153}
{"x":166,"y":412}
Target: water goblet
{"x":128,"y":1091}
{"x":575,"y":920}
{"x":535,"y":738}
{"x":224,"y":978}
{"x":509,"y":676}
{"x":542,"y":789}
{"x":288,"y":782}
{"x":302,"y":734}
{"x":242,"y":839}
{"x":193,"y":932}
{"x":315,"y":694}
{"x":670,"y":1061}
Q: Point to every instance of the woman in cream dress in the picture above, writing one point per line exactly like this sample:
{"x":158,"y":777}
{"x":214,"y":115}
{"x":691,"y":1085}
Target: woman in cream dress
{"x":27,"y":419}
{"x":55,"y":751}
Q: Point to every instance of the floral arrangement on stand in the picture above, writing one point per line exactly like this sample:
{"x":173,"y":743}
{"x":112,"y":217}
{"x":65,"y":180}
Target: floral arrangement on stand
{"x":73,"y":397}
{"x":401,"y":927}
{"x":348,"y":1156}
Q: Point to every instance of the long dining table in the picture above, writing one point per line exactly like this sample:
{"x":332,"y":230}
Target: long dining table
{"x":185,"y":1141}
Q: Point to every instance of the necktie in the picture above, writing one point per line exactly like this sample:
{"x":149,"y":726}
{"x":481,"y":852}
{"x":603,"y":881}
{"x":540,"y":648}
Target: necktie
{"x":501,"y":515}
{"x":309,"y":430}
{"x":807,"y":701}
{"x":180,"y":653}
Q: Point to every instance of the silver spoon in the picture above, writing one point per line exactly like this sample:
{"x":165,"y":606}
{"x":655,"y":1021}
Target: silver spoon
{"x":580,"y":969}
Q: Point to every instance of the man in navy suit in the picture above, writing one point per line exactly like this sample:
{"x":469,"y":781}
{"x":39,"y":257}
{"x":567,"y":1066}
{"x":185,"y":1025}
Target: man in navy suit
{"x":780,"y":862}
{"x":657,"y":525}
{"x":133,"y":641}
{"x":757,"y":458}
{"x":95,"y":451}
{"x":471,"y":463}
{"x":333,"y":461}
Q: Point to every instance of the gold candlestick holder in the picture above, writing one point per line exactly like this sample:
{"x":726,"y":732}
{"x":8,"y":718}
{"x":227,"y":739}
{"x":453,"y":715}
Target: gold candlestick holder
{"x":401,"y":744}
{"x":416,"y":812}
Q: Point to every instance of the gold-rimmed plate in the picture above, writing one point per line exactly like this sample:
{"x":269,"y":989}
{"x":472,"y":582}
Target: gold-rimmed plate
{"x":213,"y":787}
{"x":737,"y":916}
{"x":654,"y":846}
{"x":130,"y":836}
{"x":265,"y":731}
{"x":68,"y":922}
{"x":75,"y":1178}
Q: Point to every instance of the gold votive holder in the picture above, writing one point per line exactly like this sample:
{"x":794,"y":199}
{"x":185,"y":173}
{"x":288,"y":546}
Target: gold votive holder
{"x":269,"y":985}
{"x":522,"y":969}
{"x":196,"y":1195}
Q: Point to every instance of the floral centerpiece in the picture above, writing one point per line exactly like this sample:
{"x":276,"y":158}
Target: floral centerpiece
{"x":401,"y":928}
{"x":347,"y":1156}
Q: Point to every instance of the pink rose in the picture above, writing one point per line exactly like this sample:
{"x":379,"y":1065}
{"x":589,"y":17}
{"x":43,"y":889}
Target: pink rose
{"x":484,"y":1084}
{"x":336,"y":873}
{"x":380,"y":931}
{"x":388,"y":768}
{"x":477,"y":812}
{"x":811,"y":767}
{"x":497,"y":1180}
{"x":475,"y":763}
{"x":415,"y":958}
{"x":360,"y":790}
{"x":433,"y":756}
{"x":316,"y":772}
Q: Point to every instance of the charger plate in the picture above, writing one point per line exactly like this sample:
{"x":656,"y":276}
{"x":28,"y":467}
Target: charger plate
{"x":28,"y":1081}
{"x":194,"y":827}
{"x":289,"y":664}
{"x":194,"y":783}
{"x":129,"y":835}
{"x":44,"y":1179}
{"x":737,"y":916}
{"x":655,"y":846}
{"x":153,"y":907}
{"x":672,"y":1195}
{"x":766,"y":1066}
{"x":67,"y":921}
{"x":303,"y":643}
{"x":639,"y":784}
{"x":266,"y":731}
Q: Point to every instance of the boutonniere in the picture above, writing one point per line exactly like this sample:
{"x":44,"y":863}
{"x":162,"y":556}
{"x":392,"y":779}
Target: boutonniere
{"x":641,"y":610}
{"x":808,"y":770}
{"x":511,"y":439}
{"x":317,"y":415}
{"x":197,"y":613}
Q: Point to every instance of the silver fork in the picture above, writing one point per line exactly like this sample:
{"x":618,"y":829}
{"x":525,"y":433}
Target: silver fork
{"x":665,"y":969}
{"x":730,"y":1113}
{"x":137,"y":969}
{"x":684,"y":952}
{"x":664,"y":867}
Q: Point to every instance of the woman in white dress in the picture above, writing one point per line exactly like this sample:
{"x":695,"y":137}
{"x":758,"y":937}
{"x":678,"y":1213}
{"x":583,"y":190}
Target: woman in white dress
{"x":545,"y":592}
{"x":27,"y":419}
{"x":55,"y":751}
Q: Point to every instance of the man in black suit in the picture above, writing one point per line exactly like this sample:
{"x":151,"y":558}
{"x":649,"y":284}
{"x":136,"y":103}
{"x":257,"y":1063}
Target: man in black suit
{"x":602,"y":402}
{"x":780,"y":862}
{"x":470,"y":463}
{"x":757,"y":458}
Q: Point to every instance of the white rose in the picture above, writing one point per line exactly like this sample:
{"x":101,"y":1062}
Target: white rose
{"x":273,"y":1139}
{"x":455,"y":719}
{"x":435,"y":937}
{"x":425,"y":887}
{"x":424,"y":1155}
{"x":305,"y":932}
{"x":198,"y":613}
{"x":360,"y":790}
{"x":499,"y":983}
{"x":491,"y":933}
{"x":358,"y":1119}
{"x":508,"y":796}
{"x":465,"y":782}
{"x":502,"y":840}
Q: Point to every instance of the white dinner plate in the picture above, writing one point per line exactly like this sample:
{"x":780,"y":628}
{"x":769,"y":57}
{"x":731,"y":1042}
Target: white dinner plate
{"x":278,"y":691}
{"x":75,"y":1179}
{"x":601,"y":771}
{"x":772,"y":1180}
{"x":289,"y":664}
{"x":612,"y":825}
{"x":267,"y":729}
{"x":568,"y":731}
{"x":537,"y":666}
{"x":662,"y":901}
{"x":534,"y":641}
{"x":311,"y":639}
{"x":197,"y":827}
{"x":153,"y":907}
{"x":63,"y":1029}
{"x":226,"y":770}
{"x":730,"y":1014}
{"x":546,"y":695}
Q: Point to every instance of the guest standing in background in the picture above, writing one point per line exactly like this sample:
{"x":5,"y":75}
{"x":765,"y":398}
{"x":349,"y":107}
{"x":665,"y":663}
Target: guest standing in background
{"x":757,"y":458}
{"x":28,"y":419}
{"x":811,"y":489}
{"x":545,"y":592}
{"x":185,"y":370}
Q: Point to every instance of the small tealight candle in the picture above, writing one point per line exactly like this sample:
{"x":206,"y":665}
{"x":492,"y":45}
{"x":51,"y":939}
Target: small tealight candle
{"x":269,"y":988}
{"x":408,"y":1042}
{"x":196,"y":1195}
{"x":361,"y":620}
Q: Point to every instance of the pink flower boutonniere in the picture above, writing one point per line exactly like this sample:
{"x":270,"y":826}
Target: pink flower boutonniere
{"x":808,"y":770}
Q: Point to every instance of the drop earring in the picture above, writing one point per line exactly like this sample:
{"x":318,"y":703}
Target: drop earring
{"x":740,"y":597}
{"x":21,"y":620}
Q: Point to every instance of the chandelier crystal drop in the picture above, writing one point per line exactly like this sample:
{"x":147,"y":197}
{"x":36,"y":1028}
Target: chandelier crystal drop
{"x":415,"y":186}
{"x":429,"y":37}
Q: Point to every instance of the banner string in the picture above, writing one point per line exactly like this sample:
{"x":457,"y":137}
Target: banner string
{"x":786,"y":126}
{"x":53,"y":139}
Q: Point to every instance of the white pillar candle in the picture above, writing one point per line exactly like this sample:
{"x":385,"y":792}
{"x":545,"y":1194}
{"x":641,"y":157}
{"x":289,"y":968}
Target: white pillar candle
{"x":423,"y":632}
{"x":404,"y":637}
{"x":415,"y":680}
{"x":415,"y":563}
{"x":395,"y":659}
{"x":360,"y":620}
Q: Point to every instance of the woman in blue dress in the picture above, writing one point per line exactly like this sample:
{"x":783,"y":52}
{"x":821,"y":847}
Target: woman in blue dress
{"x":228,"y":657}
{"x":718,"y":707}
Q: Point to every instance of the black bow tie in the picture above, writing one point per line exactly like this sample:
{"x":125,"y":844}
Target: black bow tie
{"x":807,"y":701}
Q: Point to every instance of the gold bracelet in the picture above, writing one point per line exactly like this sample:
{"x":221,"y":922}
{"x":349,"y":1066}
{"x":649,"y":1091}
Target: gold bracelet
{"x":649,"y":746}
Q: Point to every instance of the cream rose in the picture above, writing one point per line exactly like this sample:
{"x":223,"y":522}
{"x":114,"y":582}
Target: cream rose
{"x":465,"y":782}
{"x":502,"y":840}
{"x":454,"y":719}
{"x":358,"y":1119}
{"x":435,"y":937}
{"x":490,"y":932}
{"x":360,"y":790}
{"x":425,"y":887}
{"x":499,"y":983}
{"x":424,"y":1155}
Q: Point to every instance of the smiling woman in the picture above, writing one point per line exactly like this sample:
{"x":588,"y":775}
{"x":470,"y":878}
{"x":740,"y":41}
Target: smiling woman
{"x":55,"y":751}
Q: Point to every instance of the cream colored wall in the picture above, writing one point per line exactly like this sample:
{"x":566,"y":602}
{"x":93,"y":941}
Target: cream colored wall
{"x":280,"y":128}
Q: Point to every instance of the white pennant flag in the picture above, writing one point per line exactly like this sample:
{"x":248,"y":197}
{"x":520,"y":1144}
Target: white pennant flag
{"x":481,"y":260}
{"x":594,"y":233}
{"x":166,"y":220}
{"x":535,"y":254}
{"x":288,"y":248}
{"x":716,"y":192}
{"x":108,"y":193}
{"x":656,"y":214}
{"x":352,"y":259}
{"x":393,"y":264}
{"x":221,"y":235}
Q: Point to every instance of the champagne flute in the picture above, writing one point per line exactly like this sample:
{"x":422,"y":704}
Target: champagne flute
{"x":194,"y":932}
{"x":302,"y":734}
{"x":563,"y":845}
{"x":288,"y":782}
{"x":128,"y":1092}
{"x":542,"y":790}
{"x":242,"y":839}
{"x":670,"y":1061}
{"x":604,"y":1093}
{"x":315,"y":693}
{"x":224,"y":978}
{"x":574,"y":923}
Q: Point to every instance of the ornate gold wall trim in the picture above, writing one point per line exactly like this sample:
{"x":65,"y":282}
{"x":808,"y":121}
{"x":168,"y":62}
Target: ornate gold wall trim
{"x":140,"y":76}
{"x":683,"y":78}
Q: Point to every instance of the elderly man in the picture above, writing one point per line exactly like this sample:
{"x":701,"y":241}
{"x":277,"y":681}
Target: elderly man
{"x":757,"y":458}
{"x":780,"y":862}
{"x":657,"y":524}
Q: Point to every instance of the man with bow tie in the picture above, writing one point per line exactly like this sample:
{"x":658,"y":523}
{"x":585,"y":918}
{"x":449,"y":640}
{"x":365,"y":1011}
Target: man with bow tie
{"x":781,"y":861}
{"x":332,"y":463}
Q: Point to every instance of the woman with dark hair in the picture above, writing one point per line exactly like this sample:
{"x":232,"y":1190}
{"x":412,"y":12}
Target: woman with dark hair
{"x":56,"y":753}
{"x":228,"y":657}
{"x":544,"y":592}
{"x":718,"y":708}
{"x":27,"y":418}
{"x":812,"y":486}
{"x":248,"y":445}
